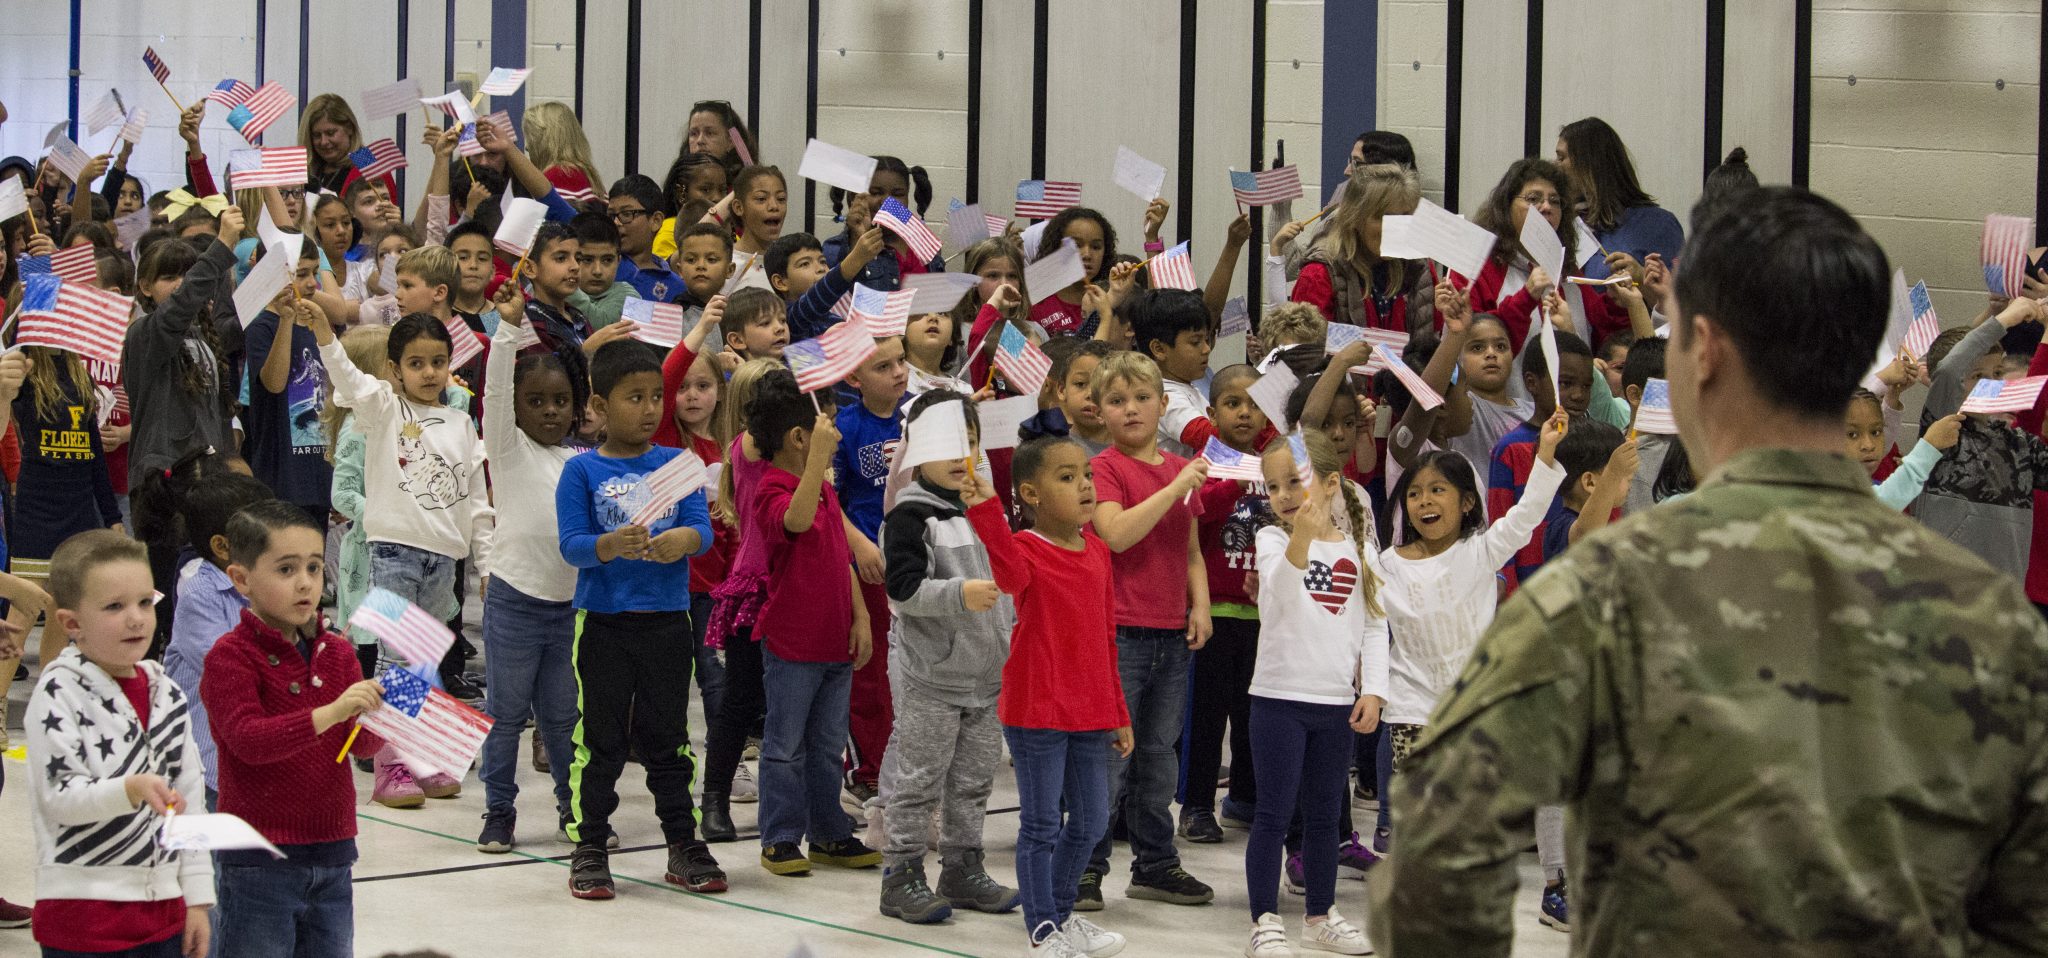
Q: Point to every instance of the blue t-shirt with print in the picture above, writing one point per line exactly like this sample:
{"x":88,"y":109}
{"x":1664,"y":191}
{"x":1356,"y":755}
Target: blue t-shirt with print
{"x":282,"y":437}
{"x":861,"y":466}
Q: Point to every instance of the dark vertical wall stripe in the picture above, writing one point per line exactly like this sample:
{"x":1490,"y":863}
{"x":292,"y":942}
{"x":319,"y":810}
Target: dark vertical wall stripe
{"x":262,"y":36}
{"x":508,"y":48}
{"x":632,"y":87}
{"x":305,"y":49}
{"x":582,"y":47}
{"x":77,"y":18}
{"x":1255,"y":273}
{"x":447,"y":49}
{"x":1532,"y":85}
{"x":1041,"y":31}
{"x":404,"y":45}
{"x":1802,"y":89}
{"x":1184,"y":199}
{"x":1351,"y":96}
{"x":753,"y":69}
{"x":1717,"y":70}
{"x":811,"y":112}
{"x":974,"y":14}
{"x":1454,"y":98}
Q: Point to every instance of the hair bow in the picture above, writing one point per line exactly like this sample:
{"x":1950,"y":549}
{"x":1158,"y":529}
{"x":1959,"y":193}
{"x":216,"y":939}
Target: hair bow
{"x":182,"y":199}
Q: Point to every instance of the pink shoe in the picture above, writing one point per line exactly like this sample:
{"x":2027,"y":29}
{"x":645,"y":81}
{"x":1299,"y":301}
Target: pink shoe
{"x":440,"y":785}
{"x":395,"y":787}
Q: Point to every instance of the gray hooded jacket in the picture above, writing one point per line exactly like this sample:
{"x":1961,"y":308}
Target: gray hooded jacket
{"x":936,"y":646}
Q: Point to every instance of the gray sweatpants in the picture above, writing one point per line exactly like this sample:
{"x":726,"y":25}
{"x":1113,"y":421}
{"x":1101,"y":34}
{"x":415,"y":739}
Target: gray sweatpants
{"x":940,"y":756}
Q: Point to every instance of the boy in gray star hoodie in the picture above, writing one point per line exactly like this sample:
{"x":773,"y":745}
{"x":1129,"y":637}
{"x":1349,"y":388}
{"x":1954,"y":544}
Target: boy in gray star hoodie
{"x":948,"y":640}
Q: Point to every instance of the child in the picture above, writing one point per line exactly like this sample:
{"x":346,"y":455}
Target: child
{"x":1172,"y":327}
{"x":276,"y":677}
{"x":755,"y":325}
{"x":996,"y":262}
{"x":284,"y":388}
{"x":1066,"y":311}
{"x":423,"y":481}
{"x":1293,"y":324}
{"x":703,"y":258}
{"x":1982,"y":497}
{"x":62,"y":487}
{"x":869,"y":430}
{"x":949,"y":638}
{"x":476,"y":268}
{"x":366,"y":348}
{"x":637,"y":209}
{"x":796,"y":269}
{"x":208,"y":604}
{"x":692,"y":178}
{"x":809,"y":629}
{"x":1513,"y":455}
{"x":1598,"y":462}
{"x":529,"y":621}
{"x":110,"y":742}
{"x":1232,"y":510}
{"x":1477,"y":408}
{"x":1162,"y":613}
{"x":1061,"y":706}
{"x":632,"y":655}
{"x":1321,"y":676}
{"x":600,"y":295}
{"x":931,"y":350}
{"x":1868,"y":441}
{"x":1645,"y":362}
{"x":1069,"y":393}
{"x":555,"y":275}
{"x":760,"y":200}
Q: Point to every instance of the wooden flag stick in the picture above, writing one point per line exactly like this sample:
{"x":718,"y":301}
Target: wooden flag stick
{"x":351,"y":743}
{"x":167,"y":93}
{"x":472,"y":173}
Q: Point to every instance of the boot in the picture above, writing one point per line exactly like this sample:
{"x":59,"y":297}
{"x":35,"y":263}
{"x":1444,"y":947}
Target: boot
{"x":906,"y":896}
{"x":714,"y":820}
{"x":966,"y":884}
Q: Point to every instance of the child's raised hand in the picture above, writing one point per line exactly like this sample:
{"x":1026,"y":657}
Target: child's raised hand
{"x":1629,"y":295}
{"x":1899,"y":373}
{"x":1005,"y":298}
{"x":824,"y":443}
{"x":1619,"y":263}
{"x":1455,"y":306}
{"x":714,"y":312}
{"x":1240,"y":231}
{"x":1155,"y":216}
{"x":1944,"y":432}
{"x":478,"y":196}
{"x":510,"y":303}
{"x":40,"y":244}
{"x":1286,"y":234}
{"x":1623,"y":463}
{"x":151,"y":790}
{"x":1123,"y":278}
{"x":1358,"y":352}
{"x":488,"y":138}
{"x":976,"y":491}
{"x":13,"y":372}
{"x":231,"y":225}
{"x":1657,"y":281}
{"x":727,"y":361}
{"x":1553,"y":432}
{"x":188,"y":125}
{"x":1560,"y":313}
{"x":620,"y":330}
{"x":1540,"y":283}
{"x":2020,"y":311}
{"x":979,"y":595}
{"x":95,"y":168}
{"x":866,"y":247}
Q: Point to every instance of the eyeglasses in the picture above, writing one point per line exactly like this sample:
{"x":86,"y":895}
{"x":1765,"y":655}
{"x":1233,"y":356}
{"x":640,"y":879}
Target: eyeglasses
{"x":292,"y":194}
{"x":1540,"y":200}
{"x":627,"y":216}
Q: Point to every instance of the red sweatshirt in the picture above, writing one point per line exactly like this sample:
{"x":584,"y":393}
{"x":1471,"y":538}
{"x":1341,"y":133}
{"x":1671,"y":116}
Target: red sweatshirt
{"x":1312,"y":286}
{"x":1515,"y":311}
{"x":2037,"y":554}
{"x":1061,"y":673}
{"x":260,"y":694}
{"x":707,"y":570}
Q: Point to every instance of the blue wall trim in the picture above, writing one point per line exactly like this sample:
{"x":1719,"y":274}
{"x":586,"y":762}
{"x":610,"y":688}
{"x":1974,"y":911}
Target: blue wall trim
{"x":305,"y":51}
{"x":1351,"y":94}
{"x":77,"y":15}
{"x":508,"y":49}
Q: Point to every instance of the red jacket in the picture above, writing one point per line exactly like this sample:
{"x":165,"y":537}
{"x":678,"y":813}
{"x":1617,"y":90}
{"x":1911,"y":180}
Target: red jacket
{"x":2037,"y":553}
{"x":1515,"y":310}
{"x":1312,"y":286}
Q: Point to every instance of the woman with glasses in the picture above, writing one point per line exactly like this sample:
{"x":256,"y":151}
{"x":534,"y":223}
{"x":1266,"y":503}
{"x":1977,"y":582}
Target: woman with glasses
{"x":1627,"y":222}
{"x":1512,"y":286}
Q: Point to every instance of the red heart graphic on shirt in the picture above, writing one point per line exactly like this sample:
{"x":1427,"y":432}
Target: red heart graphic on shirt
{"x":1331,"y":586}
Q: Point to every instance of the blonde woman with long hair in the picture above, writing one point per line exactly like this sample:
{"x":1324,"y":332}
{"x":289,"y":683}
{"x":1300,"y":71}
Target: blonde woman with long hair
{"x":555,"y":143}
{"x":329,"y":132}
{"x":1346,"y":278}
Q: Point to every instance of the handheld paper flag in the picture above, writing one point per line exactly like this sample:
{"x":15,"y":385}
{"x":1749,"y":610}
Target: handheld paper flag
{"x":263,"y":107}
{"x":837,"y":166}
{"x":2003,"y":395}
{"x":212,"y":832}
{"x":1044,"y":199}
{"x":1653,"y":415}
{"x":1543,"y":245}
{"x":1173,"y":270}
{"x":453,"y":106}
{"x":74,"y":264}
{"x":391,"y":99}
{"x":407,"y":629}
{"x":265,"y":280}
{"x":1021,"y":362}
{"x":1271,"y":390}
{"x":2006,"y":239}
{"x":1237,"y":318}
{"x":78,"y":317}
{"x":231,"y":93}
{"x":156,"y":65}
{"x":966,"y":224}
{"x":1266,"y":187}
{"x":1433,"y":232}
{"x":938,"y":435}
{"x":936,"y":292}
{"x":659,"y":324}
{"x":909,"y":227}
{"x":68,"y":158}
{"x":1053,"y":273}
{"x":884,"y":312}
{"x":378,"y":159}
{"x":426,"y":726}
{"x":1925,"y":326}
{"x":1417,"y":386}
{"x":503,"y":81}
{"x":279,"y":166}
{"x":522,"y":220}
{"x":105,"y":112}
{"x":13,"y":199}
{"x":467,"y":345}
{"x":664,"y":487}
{"x":827,"y":359}
{"x":1228,"y":463}
{"x":1142,"y":177}
{"x":131,"y":131}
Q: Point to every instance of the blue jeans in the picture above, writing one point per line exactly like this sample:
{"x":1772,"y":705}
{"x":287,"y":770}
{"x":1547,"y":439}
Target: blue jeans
{"x":710,"y":670}
{"x":529,"y":672}
{"x":425,"y":579}
{"x":172,"y":947}
{"x":1057,"y":770}
{"x":286,"y":911}
{"x":1300,"y":749}
{"x":1153,"y":666}
{"x":800,"y":750}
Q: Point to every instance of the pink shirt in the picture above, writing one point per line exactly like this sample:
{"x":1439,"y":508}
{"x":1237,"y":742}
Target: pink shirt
{"x":1151,"y":575}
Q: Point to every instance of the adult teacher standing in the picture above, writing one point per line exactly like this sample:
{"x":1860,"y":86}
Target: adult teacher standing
{"x":1627,"y":222}
{"x":1784,"y":718}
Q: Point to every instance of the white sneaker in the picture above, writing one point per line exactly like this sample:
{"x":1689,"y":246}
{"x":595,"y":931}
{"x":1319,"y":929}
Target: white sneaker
{"x":1269,"y":939}
{"x":1335,"y":934}
{"x":1052,"y":945}
{"x":743,"y":787}
{"x":1089,"y":938}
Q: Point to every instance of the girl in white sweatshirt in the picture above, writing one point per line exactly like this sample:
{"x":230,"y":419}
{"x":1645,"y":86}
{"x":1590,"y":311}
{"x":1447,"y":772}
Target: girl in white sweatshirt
{"x":1321,"y":676}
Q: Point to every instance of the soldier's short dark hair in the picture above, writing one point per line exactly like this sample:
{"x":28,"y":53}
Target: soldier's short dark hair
{"x":1798,"y":286}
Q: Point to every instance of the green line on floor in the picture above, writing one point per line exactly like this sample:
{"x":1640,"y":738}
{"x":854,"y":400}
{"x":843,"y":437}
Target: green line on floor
{"x":665,"y":886}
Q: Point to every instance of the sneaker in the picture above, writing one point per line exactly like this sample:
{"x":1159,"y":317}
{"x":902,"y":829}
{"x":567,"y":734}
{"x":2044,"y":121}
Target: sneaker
{"x":1269,"y":939}
{"x":13,"y":915}
{"x":1089,"y":938}
{"x":540,"y":755}
{"x":1047,"y":942}
{"x":1366,"y":794}
{"x":1198,"y":825}
{"x":1354,"y":859}
{"x":1383,"y":843}
{"x":590,"y":874}
{"x":753,"y":749}
{"x":1088,"y":897}
{"x":496,"y":838}
{"x":845,"y":853}
{"x":1295,"y":878}
{"x":1232,"y":815}
{"x":714,"y":819}
{"x":906,"y":896}
{"x":465,"y":687}
{"x":690,"y":865}
{"x":611,"y":841}
{"x":395,"y":787}
{"x":1556,"y":908}
{"x":783,"y":858}
{"x":440,"y":785}
{"x":1335,"y":933}
{"x":1173,"y":886}
{"x":966,"y":884}
{"x":743,"y":788}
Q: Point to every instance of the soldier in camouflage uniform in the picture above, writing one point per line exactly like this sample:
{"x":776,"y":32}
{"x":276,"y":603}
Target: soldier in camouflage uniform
{"x":1785,"y":719}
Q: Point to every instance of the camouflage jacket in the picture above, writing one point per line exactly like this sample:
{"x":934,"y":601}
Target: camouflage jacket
{"x":1785,"y":719}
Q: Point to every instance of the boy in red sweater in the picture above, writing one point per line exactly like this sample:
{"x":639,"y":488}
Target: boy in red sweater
{"x":281,"y":690}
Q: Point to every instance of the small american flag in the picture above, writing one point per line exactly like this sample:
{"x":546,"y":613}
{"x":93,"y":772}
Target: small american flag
{"x":884,"y":312}
{"x":660,"y":324}
{"x":585,"y":195}
{"x":1228,"y":463}
{"x":1341,"y":335}
{"x":503,"y":81}
{"x":1926,"y":326}
{"x":131,"y":131}
{"x":231,"y":93}
{"x":279,"y":166}
{"x":426,"y":726}
{"x":105,"y":113}
{"x":468,"y":145}
{"x":411,"y":633}
{"x":502,"y":122}
{"x":378,"y":159}
{"x":829,"y":358}
{"x":263,"y":107}
{"x":1173,"y":269}
{"x":1654,"y":414}
{"x":1417,"y":387}
{"x":78,"y":317}
{"x":2005,"y":395}
{"x":2006,"y":239}
{"x":155,"y":64}
{"x":467,"y":344}
{"x":75,"y":264}
{"x":34,"y":265}
{"x":1237,"y":318}
{"x":1265,"y":187}
{"x":1021,"y":362}
{"x":666,"y":486}
{"x":910,"y":227}
{"x":1044,"y":199}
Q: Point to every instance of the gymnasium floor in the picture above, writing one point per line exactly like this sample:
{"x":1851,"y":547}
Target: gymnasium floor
{"x":421,"y":884}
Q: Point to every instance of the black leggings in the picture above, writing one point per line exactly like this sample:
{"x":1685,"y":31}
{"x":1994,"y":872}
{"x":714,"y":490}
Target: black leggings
{"x":745,"y":702}
{"x":1220,"y":693}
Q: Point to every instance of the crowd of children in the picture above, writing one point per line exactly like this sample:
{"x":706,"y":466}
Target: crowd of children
{"x":1285,"y":556}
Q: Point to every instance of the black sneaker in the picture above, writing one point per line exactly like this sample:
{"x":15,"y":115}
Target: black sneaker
{"x":1198,"y":825}
{"x":1088,"y":897}
{"x":690,"y":865}
{"x":1173,"y":886}
{"x":906,"y":896}
{"x":845,"y":853}
{"x":783,"y":858}
{"x":463,"y":689}
{"x":496,"y":838}
{"x":590,"y":873}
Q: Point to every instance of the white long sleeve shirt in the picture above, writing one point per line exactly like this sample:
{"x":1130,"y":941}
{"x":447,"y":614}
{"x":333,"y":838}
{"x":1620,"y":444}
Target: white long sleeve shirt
{"x":1439,"y":606}
{"x":1317,"y":641}
{"x":526,"y":547}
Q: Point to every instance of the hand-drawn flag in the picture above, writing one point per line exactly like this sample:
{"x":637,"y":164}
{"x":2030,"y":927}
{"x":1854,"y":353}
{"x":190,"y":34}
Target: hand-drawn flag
{"x":1228,"y":463}
{"x":1926,"y":326}
{"x":410,"y":631}
{"x":668,"y":485}
{"x":378,"y":159}
{"x":468,"y":345}
{"x":1265,"y":187}
{"x":155,"y":64}
{"x":106,"y":112}
{"x":910,"y":227}
{"x":231,"y":93}
{"x":1021,"y":362}
{"x":1654,"y":414}
{"x":884,"y":312}
{"x":131,"y":131}
{"x":660,"y":324}
{"x":469,"y":145}
{"x":69,"y":158}
{"x":2006,"y":239}
{"x":78,"y":317}
{"x":263,"y":107}
{"x":829,"y":358}
{"x":75,"y":264}
{"x":1173,"y":270}
{"x":279,"y":166}
{"x":1044,"y":199}
{"x":2004,"y":395}
{"x":428,"y":728}
{"x":1417,"y":387}
{"x":503,"y":81}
